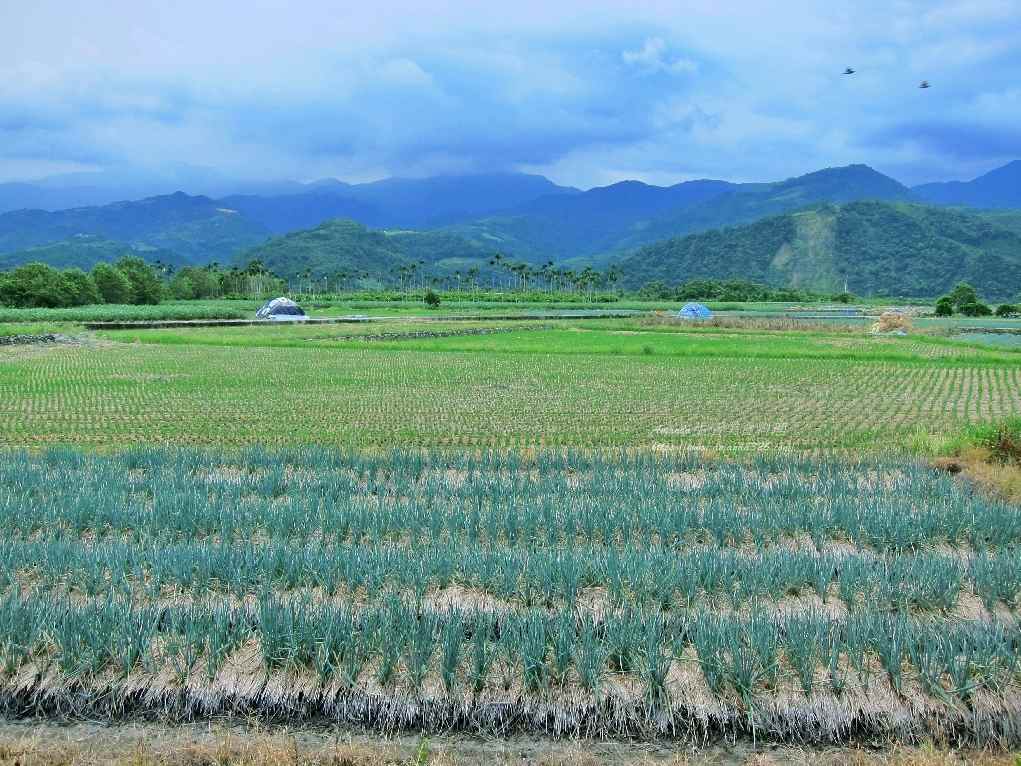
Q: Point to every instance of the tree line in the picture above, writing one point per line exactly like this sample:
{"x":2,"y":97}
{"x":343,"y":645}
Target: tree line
{"x":37,"y":285}
{"x":130,"y":280}
{"x":964,"y":300}
{"x":735,"y":290}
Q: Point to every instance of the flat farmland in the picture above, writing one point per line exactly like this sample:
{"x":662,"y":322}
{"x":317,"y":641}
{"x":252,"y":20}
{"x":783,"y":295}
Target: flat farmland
{"x":612,"y":385}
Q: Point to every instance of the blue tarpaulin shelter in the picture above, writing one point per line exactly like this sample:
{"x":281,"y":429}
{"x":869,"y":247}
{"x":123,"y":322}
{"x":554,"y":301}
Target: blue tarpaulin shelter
{"x":694,"y":311}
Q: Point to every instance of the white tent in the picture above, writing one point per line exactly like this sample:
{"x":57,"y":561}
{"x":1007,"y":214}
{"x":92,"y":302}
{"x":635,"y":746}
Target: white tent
{"x":282,"y":310}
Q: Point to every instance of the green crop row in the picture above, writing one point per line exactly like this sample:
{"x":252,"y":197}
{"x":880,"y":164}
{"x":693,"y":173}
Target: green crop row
{"x":623,"y":501}
{"x":707,"y":577}
{"x":399,"y":643}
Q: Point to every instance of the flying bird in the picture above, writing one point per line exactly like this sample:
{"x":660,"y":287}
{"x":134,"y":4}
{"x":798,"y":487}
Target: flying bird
{"x":849,"y":71}
{"x":924,"y":84}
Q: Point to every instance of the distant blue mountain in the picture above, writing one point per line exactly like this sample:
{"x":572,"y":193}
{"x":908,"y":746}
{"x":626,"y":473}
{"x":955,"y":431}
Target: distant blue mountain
{"x":603,"y":222}
{"x":197,"y":229}
{"x":407,"y":203}
{"x":102,"y":188}
{"x":1000,"y":188}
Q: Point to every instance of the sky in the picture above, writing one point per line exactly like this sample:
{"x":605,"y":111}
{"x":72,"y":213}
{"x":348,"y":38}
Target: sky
{"x":586,"y":92}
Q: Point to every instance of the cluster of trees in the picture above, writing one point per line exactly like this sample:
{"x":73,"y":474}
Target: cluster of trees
{"x":131,"y":280}
{"x":737,"y":290}
{"x":963,"y":299}
{"x":36,"y":285}
{"x":548,"y":278}
{"x":193,"y":282}
{"x":502,"y":273}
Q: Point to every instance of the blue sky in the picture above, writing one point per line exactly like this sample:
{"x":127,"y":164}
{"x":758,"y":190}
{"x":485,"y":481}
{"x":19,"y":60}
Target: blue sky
{"x":585,"y":91}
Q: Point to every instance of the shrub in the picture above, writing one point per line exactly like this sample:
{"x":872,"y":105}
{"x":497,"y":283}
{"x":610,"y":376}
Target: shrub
{"x":655,"y":290}
{"x":195,"y":282}
{"x":432,"y":300}
{"x":963,"y":294}
{"x":975,"y":309}
{"x":944,"y":307}
{"x":112,"y":283}
{"x":35,"y":285}
{"x":1006,"y":310}
{"x":146,"y":287}
{"x":844,"y":297}
{"x":181,"y":287}
{"x":81,"y":288}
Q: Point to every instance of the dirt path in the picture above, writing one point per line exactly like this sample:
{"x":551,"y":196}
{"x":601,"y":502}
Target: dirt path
{"x":31,"y":743}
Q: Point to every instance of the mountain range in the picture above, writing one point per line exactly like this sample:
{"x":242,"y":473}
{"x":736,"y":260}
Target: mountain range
{"x":1000,"y":188}
{"x":453,"y":223}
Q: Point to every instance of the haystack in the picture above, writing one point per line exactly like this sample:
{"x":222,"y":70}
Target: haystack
{"x":892,"y":323}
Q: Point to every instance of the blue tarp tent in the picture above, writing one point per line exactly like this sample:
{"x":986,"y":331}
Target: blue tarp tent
{"x":694,"y":311}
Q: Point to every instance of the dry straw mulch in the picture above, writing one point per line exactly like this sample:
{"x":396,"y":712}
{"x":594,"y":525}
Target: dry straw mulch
{"x":156,"y":745}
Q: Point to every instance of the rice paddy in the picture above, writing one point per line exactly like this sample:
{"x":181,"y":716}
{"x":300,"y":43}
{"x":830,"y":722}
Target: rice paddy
{"x":564,"y":594}
{"x":610,"y":385}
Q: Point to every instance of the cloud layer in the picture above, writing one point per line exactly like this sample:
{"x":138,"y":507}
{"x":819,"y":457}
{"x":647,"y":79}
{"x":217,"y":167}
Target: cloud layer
{"x":589,"y":92}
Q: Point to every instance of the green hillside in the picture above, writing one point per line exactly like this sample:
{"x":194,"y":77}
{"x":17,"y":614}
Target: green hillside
{"x":344,"y":246}
{"x":876,"y":248}
{"x":752,"y":202}
{"x":85,"y":251}
{"x":1007,"y":219}
{"x":602,"y":223}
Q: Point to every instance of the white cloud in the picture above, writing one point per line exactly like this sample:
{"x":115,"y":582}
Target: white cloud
{"x":589,"y":90}
{"x":654,"y":56}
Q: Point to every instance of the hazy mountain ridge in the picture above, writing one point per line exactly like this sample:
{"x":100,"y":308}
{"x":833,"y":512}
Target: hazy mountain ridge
{"x":197,"y":229}
{"x":610,"y":221}
{"x":535,"y":221}
{"x":999,"y":188}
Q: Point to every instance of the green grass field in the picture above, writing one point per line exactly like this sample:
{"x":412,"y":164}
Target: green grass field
{"x":607,"y":383}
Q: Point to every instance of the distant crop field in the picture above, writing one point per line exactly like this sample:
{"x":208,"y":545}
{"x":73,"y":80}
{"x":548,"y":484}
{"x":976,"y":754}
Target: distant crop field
{"x":301,"y":335}
{"x":616,"y":385}
{"x":561,"y":593}
{"x":210,"y":309}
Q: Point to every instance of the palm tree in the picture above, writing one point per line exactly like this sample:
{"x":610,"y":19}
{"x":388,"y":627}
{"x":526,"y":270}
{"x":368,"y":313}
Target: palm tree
{"x":497,"y":263}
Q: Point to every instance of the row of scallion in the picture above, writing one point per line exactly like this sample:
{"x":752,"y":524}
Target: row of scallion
{"x":399,"y":645}
{"x":720,"y":577}
{"x":495,"y":500}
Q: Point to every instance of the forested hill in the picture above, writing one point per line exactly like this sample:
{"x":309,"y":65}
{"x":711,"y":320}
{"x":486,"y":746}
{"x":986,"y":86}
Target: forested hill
{"x":876,"y":248}
{"x":346,"y":247}
{"x":84,"y":251}
{"x":602,"y":222}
